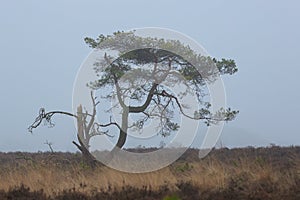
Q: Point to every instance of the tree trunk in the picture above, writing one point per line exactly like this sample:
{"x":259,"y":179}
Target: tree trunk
{"x":124,"y":128}
{"x":83,"y":139}
{"x":87,"y":157}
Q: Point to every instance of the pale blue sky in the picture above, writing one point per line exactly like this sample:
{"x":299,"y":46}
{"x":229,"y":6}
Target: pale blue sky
{"x":42,"y":47}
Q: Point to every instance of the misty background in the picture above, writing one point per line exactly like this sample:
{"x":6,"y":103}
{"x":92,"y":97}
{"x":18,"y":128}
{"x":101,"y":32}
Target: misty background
{"x":42,"y":48}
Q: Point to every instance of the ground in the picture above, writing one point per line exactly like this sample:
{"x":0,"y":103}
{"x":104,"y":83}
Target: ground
{"x":245,"y":173}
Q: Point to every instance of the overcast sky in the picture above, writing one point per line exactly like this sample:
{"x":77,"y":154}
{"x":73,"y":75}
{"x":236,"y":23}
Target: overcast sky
{"x":42,"y":47}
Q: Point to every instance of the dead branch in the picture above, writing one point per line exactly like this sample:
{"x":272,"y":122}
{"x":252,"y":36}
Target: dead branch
{"x":48,"y":117}
{"x":50,"y":145}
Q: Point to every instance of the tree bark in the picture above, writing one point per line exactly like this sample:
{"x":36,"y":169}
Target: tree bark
{"x":83,"y":139}
{"x":124,"y":128}
{"x":87,"y":157}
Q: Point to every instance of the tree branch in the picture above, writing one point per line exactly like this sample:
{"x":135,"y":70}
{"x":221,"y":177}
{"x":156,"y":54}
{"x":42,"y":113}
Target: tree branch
{"x":50,"y":146}
{"x":47,"y":116}
{"x":77,"y":145}
{"x":165,"y":94}
{"x":116,"y":82}
{"x":108,"y":124}
{"x":221,"y":115}
{"x":91,"y":122}
{"x":143,"y":107}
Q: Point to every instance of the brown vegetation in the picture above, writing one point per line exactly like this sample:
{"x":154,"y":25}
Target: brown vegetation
{"x":248,"y":173}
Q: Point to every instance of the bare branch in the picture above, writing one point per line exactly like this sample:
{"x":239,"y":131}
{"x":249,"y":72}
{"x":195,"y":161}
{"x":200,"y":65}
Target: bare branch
{"x":47,"y":116}
{"x":50,"y":145}
{"x":165,"y":94}
{"x":91,"y":122}
{"x":78,"y":146}
{"x":139,"y":124}
{"x":95,"y":131}
{"x":96,"y":128}
{"x":108,"y":124}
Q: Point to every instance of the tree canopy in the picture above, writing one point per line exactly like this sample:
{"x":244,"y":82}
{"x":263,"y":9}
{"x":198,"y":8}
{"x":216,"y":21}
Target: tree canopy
{"x":144,"y":70}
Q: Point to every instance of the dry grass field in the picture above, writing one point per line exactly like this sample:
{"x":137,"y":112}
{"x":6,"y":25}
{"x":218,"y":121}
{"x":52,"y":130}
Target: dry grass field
{"x":245,"y":173}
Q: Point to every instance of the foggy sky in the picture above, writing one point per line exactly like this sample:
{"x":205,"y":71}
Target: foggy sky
{"x":42,"y":47}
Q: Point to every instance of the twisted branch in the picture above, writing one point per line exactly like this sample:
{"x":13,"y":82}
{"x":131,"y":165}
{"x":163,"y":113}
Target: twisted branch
{"x":47,"y":116}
